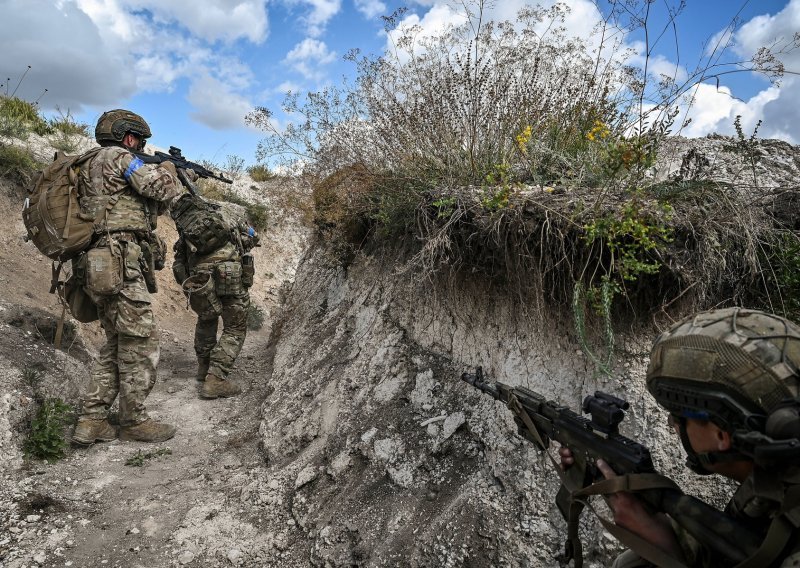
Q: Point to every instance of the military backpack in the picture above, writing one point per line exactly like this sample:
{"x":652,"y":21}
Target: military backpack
{"x":201,"y":223}
{"x":52,"y":213}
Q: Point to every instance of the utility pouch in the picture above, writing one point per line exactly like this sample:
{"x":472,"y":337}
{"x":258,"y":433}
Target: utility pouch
{"x":248,"y":270}
{"x":147,"y":263}
{"x":201,"y":296}
{"x":104,"y":269}
{"x":78,"y":301}
{"x":228,"y":277}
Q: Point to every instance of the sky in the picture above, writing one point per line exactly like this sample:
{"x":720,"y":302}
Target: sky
{"x":193,"y":69}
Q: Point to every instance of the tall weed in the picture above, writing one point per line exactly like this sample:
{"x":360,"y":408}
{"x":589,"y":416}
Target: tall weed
{"x":18,"y":118}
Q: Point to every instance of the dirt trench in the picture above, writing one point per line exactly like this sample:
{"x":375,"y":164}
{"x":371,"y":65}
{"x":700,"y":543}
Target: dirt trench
{"x":354,"y":443}
{"x":126,"y":504}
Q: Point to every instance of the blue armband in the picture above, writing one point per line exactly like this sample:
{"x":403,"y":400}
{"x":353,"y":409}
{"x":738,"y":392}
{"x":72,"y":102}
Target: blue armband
{"x":135,"y":164}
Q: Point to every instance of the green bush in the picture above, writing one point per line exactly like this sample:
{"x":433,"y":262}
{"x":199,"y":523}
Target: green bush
{"x":212,"y":189}
{"x":255,"y":317}
{"x":17,"y":163}
{"x":258,"y":215}
{"x":495,"y":147}
{"x":18,"y":118}
{"x":46,"y":440}
{"x":780,"y":260}
{"x":259,"y":173}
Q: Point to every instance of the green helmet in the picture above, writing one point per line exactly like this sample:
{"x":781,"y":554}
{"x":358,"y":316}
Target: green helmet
{"x":730,"y":366}
{"x":114,"y":124}
{"x":738,"y":369}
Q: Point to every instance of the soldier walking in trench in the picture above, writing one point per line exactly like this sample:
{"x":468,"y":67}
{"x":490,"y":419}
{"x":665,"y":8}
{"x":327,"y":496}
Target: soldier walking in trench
{"x":127,"y":196}
{"x":215,"y":268}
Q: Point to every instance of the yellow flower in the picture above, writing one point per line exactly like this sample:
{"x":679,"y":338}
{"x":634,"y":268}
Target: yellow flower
{"x":523,"y":138}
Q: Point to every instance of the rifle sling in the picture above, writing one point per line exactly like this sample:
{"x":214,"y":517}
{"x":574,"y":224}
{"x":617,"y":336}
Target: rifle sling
{"x":627,"y":482}
{"x":573,"y":549}
{"x":643,"y":548}
{"x":516,"y":407}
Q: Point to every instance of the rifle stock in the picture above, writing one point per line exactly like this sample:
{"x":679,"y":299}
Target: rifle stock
{"x":540,"y":421}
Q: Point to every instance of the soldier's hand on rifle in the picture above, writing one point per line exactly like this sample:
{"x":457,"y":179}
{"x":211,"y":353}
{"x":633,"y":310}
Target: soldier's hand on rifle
{"x":169,"y":166}
{"x":566,"y":458}
{"x":632,"y":514}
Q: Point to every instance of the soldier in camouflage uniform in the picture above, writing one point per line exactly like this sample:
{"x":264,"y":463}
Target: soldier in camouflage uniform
{"x":730,"y":379}
{"x":125,"y":196}
{"x":224,"y":275}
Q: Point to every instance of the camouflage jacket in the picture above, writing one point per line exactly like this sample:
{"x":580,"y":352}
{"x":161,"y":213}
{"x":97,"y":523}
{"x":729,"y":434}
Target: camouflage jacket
{"x":756,"y":513}
{"x":124,"y":194}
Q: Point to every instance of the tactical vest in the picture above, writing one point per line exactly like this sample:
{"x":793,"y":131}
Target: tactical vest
{"x":128,"y":212}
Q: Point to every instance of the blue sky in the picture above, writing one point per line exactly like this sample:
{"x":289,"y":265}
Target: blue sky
{"x":194,"y":69}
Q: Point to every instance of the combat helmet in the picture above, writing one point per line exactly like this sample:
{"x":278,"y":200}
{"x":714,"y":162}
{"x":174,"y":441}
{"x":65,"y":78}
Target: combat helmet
{"x":113,"y":124}
{"x":737,"y":368}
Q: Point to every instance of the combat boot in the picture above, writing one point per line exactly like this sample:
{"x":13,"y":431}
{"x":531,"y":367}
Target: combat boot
{"x":91,"y":430}
{"x":147,"y":431}
{"x":202,"y":367}
{"x":214,"y":387}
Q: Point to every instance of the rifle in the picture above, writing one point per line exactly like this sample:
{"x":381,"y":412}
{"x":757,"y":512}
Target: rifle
{"x":540,"y":420}
{"x":181,"y":164}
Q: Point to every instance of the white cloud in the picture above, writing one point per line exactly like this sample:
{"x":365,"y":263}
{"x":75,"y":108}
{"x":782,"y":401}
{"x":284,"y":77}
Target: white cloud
{"x":309,"y":57}
{"x":67,"y":56}
{"x":775,"y":106}
{"x":580,"y":19}
{"x":319,"y":16}
{"x":657,"y":65}
{"x":371,"y":8}
{"x":435,"y":21}
{"x":212,"y":20}
{"x":226,"y":20}
{"x":216,"y":105}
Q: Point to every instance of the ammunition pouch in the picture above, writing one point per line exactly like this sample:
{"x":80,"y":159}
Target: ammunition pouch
{"x":228,"y":277}
{"x":248,"y":270}
{"x":104,"y":269}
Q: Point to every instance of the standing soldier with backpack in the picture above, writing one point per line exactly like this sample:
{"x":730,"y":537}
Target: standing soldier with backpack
{"x":215,"y":268}
{"x":124,"y":196}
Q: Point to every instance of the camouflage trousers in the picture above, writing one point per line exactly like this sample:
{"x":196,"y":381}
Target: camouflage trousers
{"x":222,"y":352}
{"x":126,"y":365}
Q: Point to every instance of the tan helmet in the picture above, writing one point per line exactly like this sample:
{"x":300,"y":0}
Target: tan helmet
{"x":112,"y":126}
{"x":732,"y":366}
